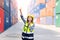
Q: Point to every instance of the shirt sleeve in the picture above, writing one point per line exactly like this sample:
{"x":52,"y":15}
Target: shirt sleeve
{"x":23,"y":19}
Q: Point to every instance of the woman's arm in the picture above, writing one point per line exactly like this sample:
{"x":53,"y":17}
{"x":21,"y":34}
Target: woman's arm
{"x":22,"y":16}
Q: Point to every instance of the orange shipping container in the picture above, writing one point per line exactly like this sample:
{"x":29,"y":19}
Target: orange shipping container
{"x":43,"y":12}
{"x":39,"y":1}
{"x":49,"y":11}
{"x":50,"y":4}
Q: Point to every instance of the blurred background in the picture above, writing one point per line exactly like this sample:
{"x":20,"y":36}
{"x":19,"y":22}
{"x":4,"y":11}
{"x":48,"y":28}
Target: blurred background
{"x":46,"y":18}
{"x":43,"y":11}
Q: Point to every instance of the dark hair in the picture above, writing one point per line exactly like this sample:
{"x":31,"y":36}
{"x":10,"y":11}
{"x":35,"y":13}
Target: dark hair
{"x":31,"y":20}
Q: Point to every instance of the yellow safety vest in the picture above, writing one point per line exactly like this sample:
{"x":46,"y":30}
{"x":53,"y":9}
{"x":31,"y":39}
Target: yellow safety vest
{"x":26,"y":28}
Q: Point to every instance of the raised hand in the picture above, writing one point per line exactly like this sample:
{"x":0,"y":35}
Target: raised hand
{"x":20,"y":12}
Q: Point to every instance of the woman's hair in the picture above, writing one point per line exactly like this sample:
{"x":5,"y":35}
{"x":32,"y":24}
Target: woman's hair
{"x":31,"y":20}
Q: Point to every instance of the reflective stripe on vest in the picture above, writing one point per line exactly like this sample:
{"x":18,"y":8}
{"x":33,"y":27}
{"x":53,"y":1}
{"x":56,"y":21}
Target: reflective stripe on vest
{"x":28,"y":37}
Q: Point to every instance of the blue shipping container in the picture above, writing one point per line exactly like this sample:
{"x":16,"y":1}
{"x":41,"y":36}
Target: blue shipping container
{"x":7,"y":17}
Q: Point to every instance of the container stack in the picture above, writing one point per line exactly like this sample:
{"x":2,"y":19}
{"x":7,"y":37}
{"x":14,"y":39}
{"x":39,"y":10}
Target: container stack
{"x":6,"y":17}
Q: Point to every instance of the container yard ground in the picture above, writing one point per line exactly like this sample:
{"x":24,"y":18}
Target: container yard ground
{"x":41,"y":33}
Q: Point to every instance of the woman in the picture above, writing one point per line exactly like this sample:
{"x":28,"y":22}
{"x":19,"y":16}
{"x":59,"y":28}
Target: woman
{"x":28,"y":29}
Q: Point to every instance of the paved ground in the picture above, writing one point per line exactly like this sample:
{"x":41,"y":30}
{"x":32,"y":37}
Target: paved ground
{"x":14,"y":33}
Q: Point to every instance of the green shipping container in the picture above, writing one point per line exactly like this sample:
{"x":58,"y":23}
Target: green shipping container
{"x":57,"y":20}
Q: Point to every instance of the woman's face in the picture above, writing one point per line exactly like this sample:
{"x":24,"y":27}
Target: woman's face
{"x":29,"y":19}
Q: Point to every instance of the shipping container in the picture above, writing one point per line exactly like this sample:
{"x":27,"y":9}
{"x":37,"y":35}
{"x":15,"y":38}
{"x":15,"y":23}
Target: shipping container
{"x":42,"y":20}
{"x":1,"y":16}
{"x":1,"y":20}
{"x":49,"y":20}
{"x":2,"y":3}
{"x":7,"y":14}
{"x":57,"y":19}
{"x":57,"y":13}
{"x":14,"y":12}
